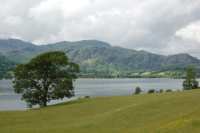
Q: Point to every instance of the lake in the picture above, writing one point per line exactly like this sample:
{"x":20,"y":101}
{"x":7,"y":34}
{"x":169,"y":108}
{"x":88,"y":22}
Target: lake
{"x":92,"y":87}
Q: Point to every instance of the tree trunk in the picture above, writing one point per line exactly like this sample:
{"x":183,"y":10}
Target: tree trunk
{"x":44,"y":99}
{"x":44,"y":103}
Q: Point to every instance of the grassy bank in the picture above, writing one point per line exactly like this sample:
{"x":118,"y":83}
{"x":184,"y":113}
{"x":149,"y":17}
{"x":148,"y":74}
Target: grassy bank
{"x":154,"y":113}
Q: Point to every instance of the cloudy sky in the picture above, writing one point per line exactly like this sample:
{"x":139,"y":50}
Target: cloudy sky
{"x":160,"y":26}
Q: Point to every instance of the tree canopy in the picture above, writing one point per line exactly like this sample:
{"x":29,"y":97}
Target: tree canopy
{"x":190,"y":82}
{"x":47,"y":77}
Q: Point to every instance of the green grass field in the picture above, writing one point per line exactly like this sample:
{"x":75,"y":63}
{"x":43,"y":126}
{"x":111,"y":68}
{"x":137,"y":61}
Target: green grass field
{"x":177,"y":112}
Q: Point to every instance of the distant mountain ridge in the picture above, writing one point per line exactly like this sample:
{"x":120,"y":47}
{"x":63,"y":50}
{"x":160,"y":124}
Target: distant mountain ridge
{"x":97,"y":56}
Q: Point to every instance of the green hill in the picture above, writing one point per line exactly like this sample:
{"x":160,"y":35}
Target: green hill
{"x":177,"y":112}
{"x":100,"y":59}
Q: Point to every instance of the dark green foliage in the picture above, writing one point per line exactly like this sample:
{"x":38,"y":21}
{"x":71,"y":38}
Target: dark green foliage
{"x":151,"y":91}
{"x":87,"y":97}
{"x":169,"y":90}
{"x":5,"y":66}
{"x":161,"y":91}
{"x":47,"y":77}
{"x":138,"y":90}
{"x":190,"y":82}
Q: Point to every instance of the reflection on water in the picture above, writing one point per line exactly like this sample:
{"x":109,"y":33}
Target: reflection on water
{"x":91,"y":87}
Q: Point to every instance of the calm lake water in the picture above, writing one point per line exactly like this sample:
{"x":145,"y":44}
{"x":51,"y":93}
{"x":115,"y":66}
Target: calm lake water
{"x":91,"y":87}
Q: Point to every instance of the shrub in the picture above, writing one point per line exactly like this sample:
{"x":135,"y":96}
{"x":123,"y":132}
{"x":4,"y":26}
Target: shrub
{"x":138,"y":90}
{"x":169,"y":90}
{"x":161,"y":91}
{"x":87,"y":97}
{"x":151,"y":91}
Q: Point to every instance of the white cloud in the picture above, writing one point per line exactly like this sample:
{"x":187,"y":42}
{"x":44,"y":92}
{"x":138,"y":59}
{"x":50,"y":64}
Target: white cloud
{"x":190,"y":32}
{"x":12,"y":20}
{"x":64,"y":7}
{"x":156,"y":25}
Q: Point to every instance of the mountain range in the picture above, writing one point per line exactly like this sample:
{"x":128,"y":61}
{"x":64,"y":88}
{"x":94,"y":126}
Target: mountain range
{"x":99,"y":58}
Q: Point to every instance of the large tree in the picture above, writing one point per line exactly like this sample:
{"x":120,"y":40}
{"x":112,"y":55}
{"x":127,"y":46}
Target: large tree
{"x":46,"y":77}
{"x":190,"y":82}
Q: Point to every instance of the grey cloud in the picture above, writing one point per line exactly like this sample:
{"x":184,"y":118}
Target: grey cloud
{"x":138,"y":24}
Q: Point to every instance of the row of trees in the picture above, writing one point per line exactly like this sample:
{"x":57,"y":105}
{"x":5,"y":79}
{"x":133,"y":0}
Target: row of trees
{"x":189,"y":83}
{"x":138,"y":90}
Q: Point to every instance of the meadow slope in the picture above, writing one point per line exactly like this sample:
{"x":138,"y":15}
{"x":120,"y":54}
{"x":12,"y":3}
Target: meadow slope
{"x":177,"y":112}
